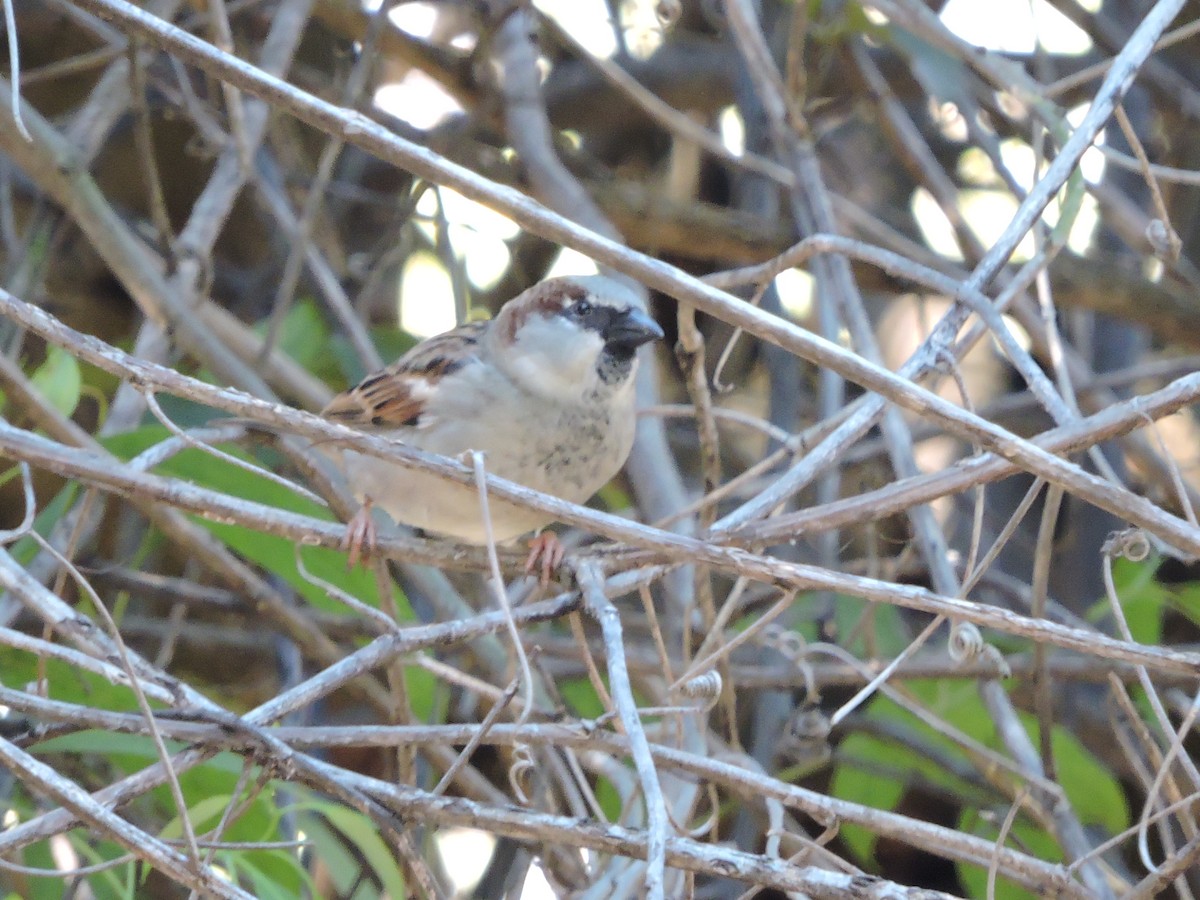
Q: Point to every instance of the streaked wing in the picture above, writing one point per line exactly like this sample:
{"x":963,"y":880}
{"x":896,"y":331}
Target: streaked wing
{"x":396,"y":396}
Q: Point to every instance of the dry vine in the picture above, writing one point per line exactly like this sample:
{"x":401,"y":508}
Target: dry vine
{"x":683,"y":707}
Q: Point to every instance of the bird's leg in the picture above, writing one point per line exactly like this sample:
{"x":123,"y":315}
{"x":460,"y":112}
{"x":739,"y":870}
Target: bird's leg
{"x":361,"y":535}
{"x":546,"y":554}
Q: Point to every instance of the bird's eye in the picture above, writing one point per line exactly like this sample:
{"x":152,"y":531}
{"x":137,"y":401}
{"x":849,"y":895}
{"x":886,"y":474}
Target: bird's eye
{"x":582,"y":309}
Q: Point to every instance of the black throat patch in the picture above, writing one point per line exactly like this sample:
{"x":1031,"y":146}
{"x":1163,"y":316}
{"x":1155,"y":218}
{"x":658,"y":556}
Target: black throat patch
{"x":615,"y":364}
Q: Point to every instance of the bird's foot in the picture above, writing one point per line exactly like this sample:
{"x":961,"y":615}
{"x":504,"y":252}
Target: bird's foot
{"x":361,"y":537}
{"x":546,"y":554}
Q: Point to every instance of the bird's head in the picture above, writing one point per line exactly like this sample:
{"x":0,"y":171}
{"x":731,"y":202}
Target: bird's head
{"x":567,"y":338}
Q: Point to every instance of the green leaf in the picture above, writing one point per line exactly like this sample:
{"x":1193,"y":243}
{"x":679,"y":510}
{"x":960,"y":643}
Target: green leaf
{"x":958,"y":703}
{"x":58,"y":380}
{"x":942,"y":74}
{"x":363,"y":834}
{"x":275,"y":874}
{"x":1092,"y":789}
{"x":275,"y":554}
{"x":609,"y":799}
{"x":38,"y":856}
{"x":424,"y":692}
{"x":127,"y":752}
{"x":581,"y":698}
{"x":304,"y":336}
{"x":326,"y":846}
{"x":853,"y":618}
{"x":613,"y":496}
{"x":66,"y":682}
{"x":203,"y":814}
{"x":114,"y":883}
{"x":1143,"y":599}
{"x":865,"y":784}
{"x":1187,"y":601}
{"x":877,"y":772}
{"x":1022,"y":836}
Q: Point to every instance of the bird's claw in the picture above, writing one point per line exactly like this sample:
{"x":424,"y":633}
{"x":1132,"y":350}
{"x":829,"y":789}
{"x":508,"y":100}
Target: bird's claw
{"x":361,"y":538}
{"x":546,"y":554}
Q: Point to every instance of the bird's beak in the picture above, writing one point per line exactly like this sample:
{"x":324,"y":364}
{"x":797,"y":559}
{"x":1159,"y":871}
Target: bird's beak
{"x":630,"y":329}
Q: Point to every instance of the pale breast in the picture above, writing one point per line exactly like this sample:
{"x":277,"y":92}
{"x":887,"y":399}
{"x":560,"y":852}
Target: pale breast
{"x":569,"y":453}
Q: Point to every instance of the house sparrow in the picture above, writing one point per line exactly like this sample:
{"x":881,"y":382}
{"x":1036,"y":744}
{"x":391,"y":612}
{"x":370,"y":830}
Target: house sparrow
{"x":544,"y":390}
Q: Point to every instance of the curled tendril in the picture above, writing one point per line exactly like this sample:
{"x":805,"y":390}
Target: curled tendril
{"x":668,"y":12}
{"x":805,"y":738}
{"x":794,"y":648}
{"x":520,"y":773}
{"x":706,"y":827}
{"x":1163,"y":240}
{"x":1131,"y":543}
{"x":809,"y":724}
{"x":706,"y":687}
{"x":785,"y":641}
{"x":966,"y":642}
{"x":1004,"y":670}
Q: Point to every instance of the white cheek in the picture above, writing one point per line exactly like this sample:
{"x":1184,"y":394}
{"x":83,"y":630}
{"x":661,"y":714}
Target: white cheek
{"x":554,"y":358}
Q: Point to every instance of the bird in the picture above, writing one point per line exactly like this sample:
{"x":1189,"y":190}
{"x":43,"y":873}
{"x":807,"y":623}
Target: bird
{"x":544,"y":390}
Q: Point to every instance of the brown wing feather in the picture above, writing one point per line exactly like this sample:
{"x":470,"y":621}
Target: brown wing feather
{"x":396,"y":395}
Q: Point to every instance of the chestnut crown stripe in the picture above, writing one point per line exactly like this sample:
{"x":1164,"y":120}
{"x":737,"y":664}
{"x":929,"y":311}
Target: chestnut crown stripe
{"x":546,"y":299}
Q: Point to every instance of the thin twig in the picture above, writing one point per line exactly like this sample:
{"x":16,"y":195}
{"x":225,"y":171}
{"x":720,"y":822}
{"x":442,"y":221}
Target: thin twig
{"x":602,"y":609}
